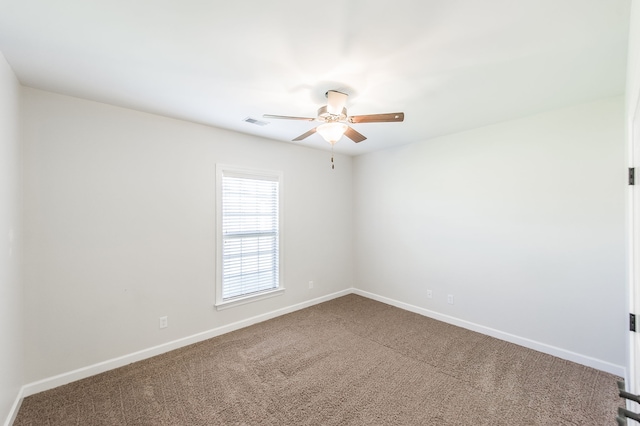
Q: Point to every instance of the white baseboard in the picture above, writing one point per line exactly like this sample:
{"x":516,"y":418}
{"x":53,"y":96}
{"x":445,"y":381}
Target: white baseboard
{"x":81,"y":373}
{"x":598,"y":364}
{"x":101,"y":367}
{"x":15,"y":408}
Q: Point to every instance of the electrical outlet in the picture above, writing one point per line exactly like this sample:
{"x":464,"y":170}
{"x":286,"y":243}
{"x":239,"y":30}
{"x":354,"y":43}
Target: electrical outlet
{"x":164,"y":322}
{"x":429,"y":294}
{"x":450,"y":299}
{"x":310,"y":284}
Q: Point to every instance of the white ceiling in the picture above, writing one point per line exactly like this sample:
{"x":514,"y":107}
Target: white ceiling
{"x":449,"y":65}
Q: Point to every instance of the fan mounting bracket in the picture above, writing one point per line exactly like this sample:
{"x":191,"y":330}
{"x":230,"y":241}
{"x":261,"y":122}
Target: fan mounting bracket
{"x":326,"y":94}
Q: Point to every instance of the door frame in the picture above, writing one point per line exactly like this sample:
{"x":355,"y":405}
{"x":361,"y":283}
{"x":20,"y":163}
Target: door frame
{"x":633,"y":257}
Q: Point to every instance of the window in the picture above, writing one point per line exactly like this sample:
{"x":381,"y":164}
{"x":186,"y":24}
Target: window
{"x":248,"y":222}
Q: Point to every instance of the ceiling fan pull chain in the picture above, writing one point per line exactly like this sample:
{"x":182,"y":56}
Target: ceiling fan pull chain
{"x":332,"y":165}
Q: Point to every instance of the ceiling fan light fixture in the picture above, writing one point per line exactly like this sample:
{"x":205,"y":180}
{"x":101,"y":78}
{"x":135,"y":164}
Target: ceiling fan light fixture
{"x":332,"y":132}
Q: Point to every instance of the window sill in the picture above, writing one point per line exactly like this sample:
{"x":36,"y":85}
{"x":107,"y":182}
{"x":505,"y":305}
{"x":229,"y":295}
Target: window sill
{"x":248,"y":299}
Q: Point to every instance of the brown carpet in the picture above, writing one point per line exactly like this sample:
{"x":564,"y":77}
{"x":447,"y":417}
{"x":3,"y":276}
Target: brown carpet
{"x":349,"y":361}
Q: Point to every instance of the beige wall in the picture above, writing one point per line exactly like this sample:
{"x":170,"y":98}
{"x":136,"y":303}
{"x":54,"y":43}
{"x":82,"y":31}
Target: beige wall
{"x":11,"y":307}
{"x":523,"y":222}
{"x":120,"y":219}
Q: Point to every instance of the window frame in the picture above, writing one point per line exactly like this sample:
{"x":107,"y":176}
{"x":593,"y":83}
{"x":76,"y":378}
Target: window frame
{"x":271,"y":175}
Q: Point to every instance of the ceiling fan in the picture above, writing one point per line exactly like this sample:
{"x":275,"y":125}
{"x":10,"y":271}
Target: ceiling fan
{"x":334,"y":118}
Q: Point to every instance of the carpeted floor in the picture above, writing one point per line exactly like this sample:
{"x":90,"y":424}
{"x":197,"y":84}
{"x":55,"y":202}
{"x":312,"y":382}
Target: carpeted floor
{"x":349,"y":361}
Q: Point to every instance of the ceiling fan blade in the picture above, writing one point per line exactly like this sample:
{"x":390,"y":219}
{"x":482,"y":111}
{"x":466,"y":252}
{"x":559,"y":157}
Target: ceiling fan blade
{"x":305,"y":135}
{"x":377,"y":118}
{"x":287,"y":117}
{"x":353,"y":135}
{"x":336,"y":102}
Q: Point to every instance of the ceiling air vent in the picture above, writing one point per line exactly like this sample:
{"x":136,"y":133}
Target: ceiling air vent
{"x":256,"y":122}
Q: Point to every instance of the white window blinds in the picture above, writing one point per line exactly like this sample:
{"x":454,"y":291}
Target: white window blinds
{"x":250,"y":234}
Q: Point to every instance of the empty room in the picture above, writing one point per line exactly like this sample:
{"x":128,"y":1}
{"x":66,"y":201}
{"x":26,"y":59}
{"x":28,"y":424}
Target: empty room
{"x":299,"y":213}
